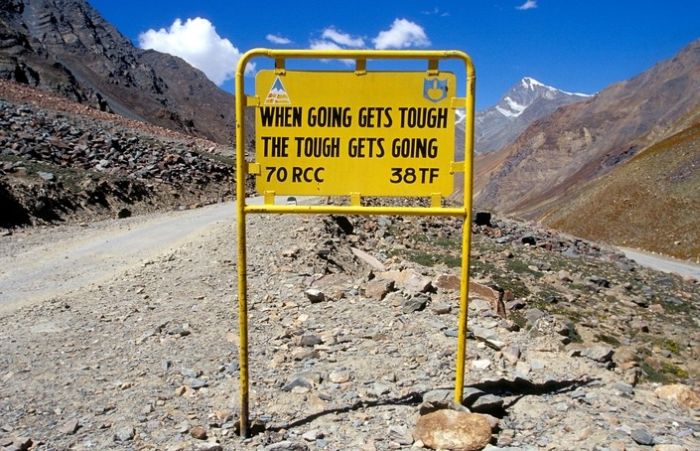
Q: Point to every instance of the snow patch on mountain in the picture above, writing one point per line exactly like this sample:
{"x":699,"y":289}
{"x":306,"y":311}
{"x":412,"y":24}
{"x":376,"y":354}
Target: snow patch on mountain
{"x":525,"y":102}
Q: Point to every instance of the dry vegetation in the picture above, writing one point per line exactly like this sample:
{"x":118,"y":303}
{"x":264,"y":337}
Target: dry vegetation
{"x":647,"y":203}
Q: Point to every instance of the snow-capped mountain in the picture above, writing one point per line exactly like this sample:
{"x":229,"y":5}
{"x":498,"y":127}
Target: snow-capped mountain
{"x":524,"y":103}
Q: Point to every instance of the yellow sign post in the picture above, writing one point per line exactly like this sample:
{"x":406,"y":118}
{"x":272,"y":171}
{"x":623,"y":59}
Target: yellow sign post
{"x":353,"y":133}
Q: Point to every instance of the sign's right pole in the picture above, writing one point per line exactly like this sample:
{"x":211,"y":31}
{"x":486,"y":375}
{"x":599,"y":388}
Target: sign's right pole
{"x":466,"y":232}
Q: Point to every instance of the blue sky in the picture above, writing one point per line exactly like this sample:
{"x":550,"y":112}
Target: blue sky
{"x":580,"y":46}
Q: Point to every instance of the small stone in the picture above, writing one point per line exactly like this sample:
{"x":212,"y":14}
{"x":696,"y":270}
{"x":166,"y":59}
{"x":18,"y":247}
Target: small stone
{"x":401,"y":435}
{"x":641,"y":302}
{"x":533,"y":315}
{"x":310,"y":340}
{"x":210,"y":447}
{"x":199,"y":432}
{"x":339,"y":377}
{"x":70,"y":427}
{"x":481,"y":364}
{"x":123,"y":213}
{"x":304,"y":353}
{"x":450,"y":429}
{"x":197,"y":383}
{"x":414,"y":304}
{"x":302,"y":380}
{"x":312,"y":435}
{"x":488,"y":336}
{"x":670,"y":448}
{"x":487,"y":404}
{"x":368,"y":259}
{"x":511,"y":353}
{"x":291,"y":252}
{"x":409,"y":281}
{"x":48,"y":176}
{"x":124,"y":433}
{"x":287,"y":445}
{"x":442,"y":396}
{"x":20,"y":444}
{"x":564,"y":276}
{"x":642,"y":436}
{"x":599,"y":353}
{"x":516,"y":304}
{"x":448,"y":282}
{"x":623,"y":389}
{"x":378,"y":389}
{"x":314,"y":295}
{"x":440,"y":308}
{"x":378,"y":288}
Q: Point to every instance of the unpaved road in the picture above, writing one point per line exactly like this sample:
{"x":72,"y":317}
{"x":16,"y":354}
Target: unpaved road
{"x":662,"y":264}
{"x":98,"y":252}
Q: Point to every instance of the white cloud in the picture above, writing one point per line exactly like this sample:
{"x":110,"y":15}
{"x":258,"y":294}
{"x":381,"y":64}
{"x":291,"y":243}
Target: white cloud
{"x":329,"y":45}
{"x":435,"y":12}
{"x":324,"y":45}
{"x":402,"y":34}
{"x":344,"y":39}
{"x":277,"y":39}
{"x":529,"y":4}
{"x":197,"y":42}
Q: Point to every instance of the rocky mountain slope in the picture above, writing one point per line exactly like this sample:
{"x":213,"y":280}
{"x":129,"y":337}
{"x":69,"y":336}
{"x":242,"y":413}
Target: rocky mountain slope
{"x":582,"y":141}
{"x":65,"y":46}
{"x":651,"y":202}
{"x":61,"y":160}
{"x":524,"y":103}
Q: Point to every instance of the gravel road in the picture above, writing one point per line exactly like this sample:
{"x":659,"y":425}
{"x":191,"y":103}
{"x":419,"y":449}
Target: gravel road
{"x":62,"y":262}
{"x":662,"y":263}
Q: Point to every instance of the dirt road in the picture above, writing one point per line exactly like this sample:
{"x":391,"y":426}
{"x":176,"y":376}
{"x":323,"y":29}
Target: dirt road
{"x":63,"y":262}
{"x":664,"y":264}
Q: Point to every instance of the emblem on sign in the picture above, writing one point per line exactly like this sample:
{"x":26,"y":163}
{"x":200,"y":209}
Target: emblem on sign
{"x":434,"y":89}
{"x":277,"y":95}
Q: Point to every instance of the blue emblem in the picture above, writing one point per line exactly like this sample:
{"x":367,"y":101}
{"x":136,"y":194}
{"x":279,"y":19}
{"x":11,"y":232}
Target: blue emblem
{"x":434,"y":89}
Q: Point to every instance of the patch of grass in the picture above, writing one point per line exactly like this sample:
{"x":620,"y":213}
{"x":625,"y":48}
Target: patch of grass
{"x":516,"y":286}
{"x":482,"y":266}
{"x":609,"y":339}
{"x":668,"y":344}
{"x":518,"y":266}
{"x":676,"y":371}
{"x":447,"y":242}
{"x":430,"y":258}
{"x":668,"y":372}
{"x":652,"y":374}
{"x":518,"y":319}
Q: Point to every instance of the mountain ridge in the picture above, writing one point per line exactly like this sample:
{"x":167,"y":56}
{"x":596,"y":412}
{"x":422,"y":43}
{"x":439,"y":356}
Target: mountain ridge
{"x":66,"y":46}
{"x":581,"y":141}
{"x":523,"y":103}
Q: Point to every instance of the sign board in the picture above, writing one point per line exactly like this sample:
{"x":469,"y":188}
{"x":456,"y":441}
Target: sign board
{"x":353,"y":133}
{"x":366,"y":133}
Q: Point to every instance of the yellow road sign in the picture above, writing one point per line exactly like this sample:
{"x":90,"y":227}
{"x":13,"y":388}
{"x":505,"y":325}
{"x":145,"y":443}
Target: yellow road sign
{"x":355,"y":132}
{"x":343,"y":95}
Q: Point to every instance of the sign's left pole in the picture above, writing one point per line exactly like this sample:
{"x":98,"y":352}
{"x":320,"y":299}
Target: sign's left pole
{"x":241,"y":222}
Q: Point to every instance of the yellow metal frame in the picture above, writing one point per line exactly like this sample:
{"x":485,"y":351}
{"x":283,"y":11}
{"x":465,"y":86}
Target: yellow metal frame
{"x":360,"y":56}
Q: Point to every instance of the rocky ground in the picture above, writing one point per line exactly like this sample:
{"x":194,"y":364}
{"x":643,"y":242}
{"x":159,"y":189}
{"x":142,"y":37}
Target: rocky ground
{"x":353,"y":338}
{"x":63,"y":161}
